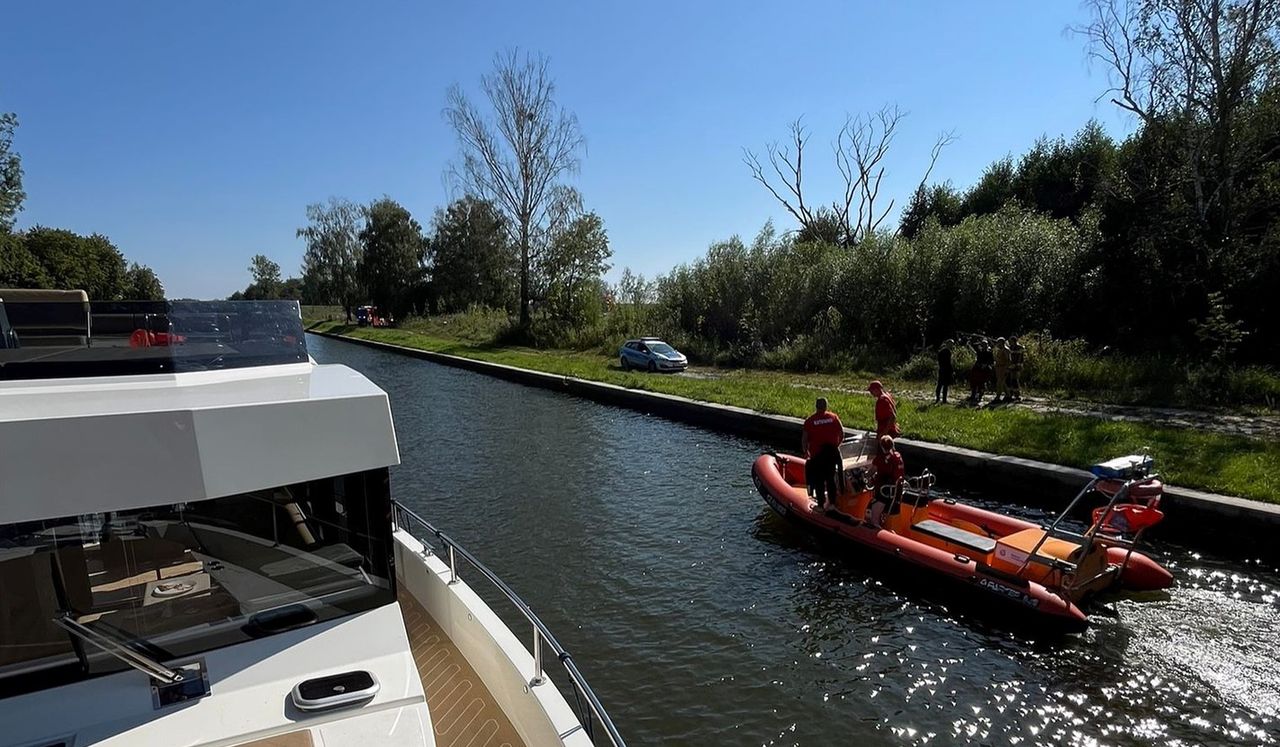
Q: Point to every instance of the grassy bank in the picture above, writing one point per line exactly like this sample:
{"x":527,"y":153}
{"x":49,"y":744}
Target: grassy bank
{"x":1189,"y":458}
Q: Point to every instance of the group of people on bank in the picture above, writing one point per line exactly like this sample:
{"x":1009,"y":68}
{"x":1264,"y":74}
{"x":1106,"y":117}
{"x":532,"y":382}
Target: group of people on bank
{"x":820,"y":441}
{"x":997,"y":366}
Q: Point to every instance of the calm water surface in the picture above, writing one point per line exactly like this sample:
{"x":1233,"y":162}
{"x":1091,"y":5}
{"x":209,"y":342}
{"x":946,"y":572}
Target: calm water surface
{"x":701,"y":618}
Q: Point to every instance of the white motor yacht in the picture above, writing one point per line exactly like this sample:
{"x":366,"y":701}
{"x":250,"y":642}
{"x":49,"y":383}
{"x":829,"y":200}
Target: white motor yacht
{"x":199,"y":546}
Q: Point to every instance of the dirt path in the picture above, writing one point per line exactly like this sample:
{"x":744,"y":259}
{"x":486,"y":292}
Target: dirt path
{"x":1216,"y":421}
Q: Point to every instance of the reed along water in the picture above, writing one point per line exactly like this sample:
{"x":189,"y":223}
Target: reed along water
{"x":700,"y":617}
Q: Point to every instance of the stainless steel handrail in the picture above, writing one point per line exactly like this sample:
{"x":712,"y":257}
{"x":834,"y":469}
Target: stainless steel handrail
{"x":144,"y":664}
{"x":541,"y":633}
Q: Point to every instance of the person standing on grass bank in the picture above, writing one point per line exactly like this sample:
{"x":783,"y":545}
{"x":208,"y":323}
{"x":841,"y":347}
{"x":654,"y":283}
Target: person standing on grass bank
{"x":820,"y":441}
{"x":1002,"y":369}
{"x":1017,"y":356}
{"x":980,"y":374}
{"x":945,"y":373}
{"x":886,"y":411}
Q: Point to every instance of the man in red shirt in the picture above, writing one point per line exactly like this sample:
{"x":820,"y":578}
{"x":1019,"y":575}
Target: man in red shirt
{"x":820,"y":440}
{"x":886,"y":411}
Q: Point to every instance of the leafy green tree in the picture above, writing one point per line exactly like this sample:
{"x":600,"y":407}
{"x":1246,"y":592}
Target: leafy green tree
{"x":292,"y":289}
{"x":823,"y":226}
{"x":265,"y":276}
{"x":1061,"y":178}
{"x":331,"y":264}
{"x":940,"y":202}
{"x":518,"y":157}
{"x":265,"y":283}
{"x":11,"y":194}
{"x":572,"y":267}
{"x":394,"y":255}
{"x":993,"y":191}
{"x":141,"y":284}
{"x":19,"y":268}
{"x":56,"y":258}
{"x":89,"y":263}
{"x":1199,"y":67}
{"x":1195,"y":209}
{"x":473,"y":260}
{"x":634,"y":289}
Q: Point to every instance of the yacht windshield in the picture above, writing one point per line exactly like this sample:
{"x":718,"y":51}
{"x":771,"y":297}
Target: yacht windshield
{"x":190,"y":577}
{"x":42,"y":338}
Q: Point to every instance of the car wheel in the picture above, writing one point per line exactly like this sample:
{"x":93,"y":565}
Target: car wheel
{"x":622,"y":362}
{"x":653,"y":367}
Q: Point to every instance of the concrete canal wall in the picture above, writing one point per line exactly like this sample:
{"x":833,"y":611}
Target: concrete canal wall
{"x":1187,"y":511}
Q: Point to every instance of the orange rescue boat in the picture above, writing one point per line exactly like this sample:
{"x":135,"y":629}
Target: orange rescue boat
{"x":1044,"y":570}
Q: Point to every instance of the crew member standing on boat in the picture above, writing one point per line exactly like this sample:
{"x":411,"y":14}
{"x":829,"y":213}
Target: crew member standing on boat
{"x":890,"y":472}
{"x":820,"y":440}
{"x":886,"y":411}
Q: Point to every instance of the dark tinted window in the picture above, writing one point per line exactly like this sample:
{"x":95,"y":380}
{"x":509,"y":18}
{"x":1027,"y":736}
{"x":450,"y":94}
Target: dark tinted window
{"x":189,"y":577}
{"x":57,"y":339}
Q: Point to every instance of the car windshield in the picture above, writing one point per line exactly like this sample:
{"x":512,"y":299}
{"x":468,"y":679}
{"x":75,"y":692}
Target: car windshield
{"x":662,"y":348}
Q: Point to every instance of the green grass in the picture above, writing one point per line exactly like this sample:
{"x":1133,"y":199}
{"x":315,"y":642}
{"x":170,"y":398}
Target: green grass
{"x":1219,"y":463}
{"x":312,"y":314}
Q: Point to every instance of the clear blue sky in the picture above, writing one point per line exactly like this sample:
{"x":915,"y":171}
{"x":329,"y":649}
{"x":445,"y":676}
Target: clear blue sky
{"x":194,"y":134}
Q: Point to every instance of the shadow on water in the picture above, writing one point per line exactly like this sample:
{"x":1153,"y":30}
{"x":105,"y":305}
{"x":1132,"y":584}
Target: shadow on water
{"x":702,"y":618}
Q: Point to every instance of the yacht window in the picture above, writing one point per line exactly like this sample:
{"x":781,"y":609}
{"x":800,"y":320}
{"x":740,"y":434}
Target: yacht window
{"x":180,"y":579}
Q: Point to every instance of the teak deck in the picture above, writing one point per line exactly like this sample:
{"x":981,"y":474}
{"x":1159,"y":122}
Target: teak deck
{"x":463,"y":712}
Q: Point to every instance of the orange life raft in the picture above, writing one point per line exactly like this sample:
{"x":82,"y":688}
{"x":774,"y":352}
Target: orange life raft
{"x":1042,"y":570}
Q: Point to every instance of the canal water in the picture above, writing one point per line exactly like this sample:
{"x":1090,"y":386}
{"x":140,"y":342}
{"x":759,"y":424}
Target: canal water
{"x":701,"y":618}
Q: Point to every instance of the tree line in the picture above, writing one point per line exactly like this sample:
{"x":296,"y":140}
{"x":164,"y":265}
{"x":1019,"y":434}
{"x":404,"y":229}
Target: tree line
{"x":1164,"y":243}
{"x":465,"y":258}
{"x":518,"y":239}
{"x":55,"y":258}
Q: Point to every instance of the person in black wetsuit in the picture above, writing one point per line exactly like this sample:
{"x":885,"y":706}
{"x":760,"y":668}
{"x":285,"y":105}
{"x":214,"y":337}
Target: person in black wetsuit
{"x":945,"y":373}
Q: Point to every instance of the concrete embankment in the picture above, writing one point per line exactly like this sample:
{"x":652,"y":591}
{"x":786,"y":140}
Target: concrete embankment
{"x":1188,"y":512}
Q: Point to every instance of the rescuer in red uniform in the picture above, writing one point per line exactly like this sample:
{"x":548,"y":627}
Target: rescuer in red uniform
{"x":890,"y":471}
{"x":820,"y":440}
{"x":886,"y":411}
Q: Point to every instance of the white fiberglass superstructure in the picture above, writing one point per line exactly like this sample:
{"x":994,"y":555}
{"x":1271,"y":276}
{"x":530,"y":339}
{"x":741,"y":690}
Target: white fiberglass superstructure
{"x":198,"y":546}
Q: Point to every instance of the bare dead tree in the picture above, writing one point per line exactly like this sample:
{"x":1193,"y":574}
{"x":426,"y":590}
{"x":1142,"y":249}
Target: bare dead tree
{"x":517,"y":155}
{"x":1193,"y":63}
{"x":787,"y":162}
{"x":944,"y":139}
{"x":860,"y":148}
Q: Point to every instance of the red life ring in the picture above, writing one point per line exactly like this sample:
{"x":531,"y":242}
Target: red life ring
{"x":142,"y":338}
{"x":1127,"y":518}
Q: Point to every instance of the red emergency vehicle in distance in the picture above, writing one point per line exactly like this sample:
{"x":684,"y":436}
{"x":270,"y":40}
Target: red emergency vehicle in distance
{"x":368,"y":316}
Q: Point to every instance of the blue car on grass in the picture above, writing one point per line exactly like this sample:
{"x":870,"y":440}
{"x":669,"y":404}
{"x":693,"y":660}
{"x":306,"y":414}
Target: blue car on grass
{"x":651,"y":354}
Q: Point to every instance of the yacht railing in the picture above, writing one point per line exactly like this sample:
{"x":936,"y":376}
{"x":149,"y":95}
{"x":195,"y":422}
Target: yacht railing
{"x":591,"y":712}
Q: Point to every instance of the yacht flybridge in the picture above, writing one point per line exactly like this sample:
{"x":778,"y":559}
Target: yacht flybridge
{"x":198,"y":546}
